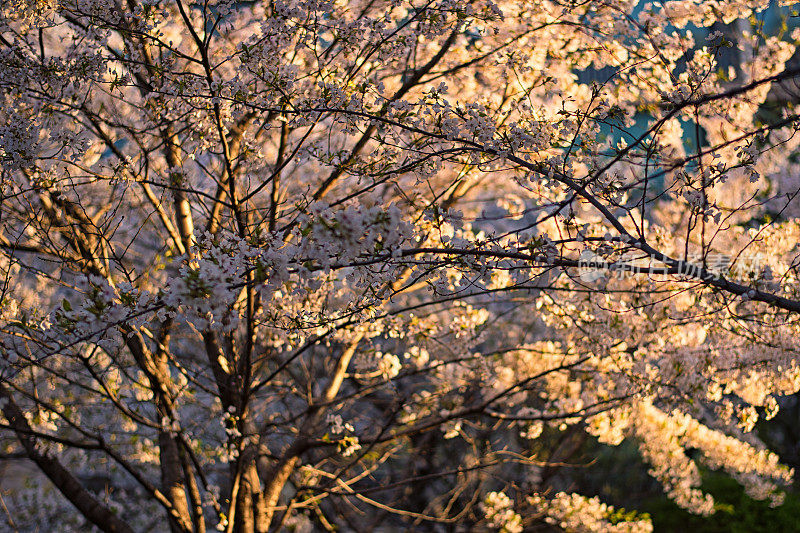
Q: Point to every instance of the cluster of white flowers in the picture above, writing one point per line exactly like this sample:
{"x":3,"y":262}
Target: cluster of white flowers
{"x":664,"y":437}
{"x":573,"y":512}
{"x":347,"y":443}
{"x":499,"y":511}
{"x":337,"y":425}
{"x":26,"y":13}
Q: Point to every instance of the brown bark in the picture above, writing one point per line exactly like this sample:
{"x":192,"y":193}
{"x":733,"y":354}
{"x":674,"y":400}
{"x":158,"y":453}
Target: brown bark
{"x":280,"y":475}
{"x":172,"y":481}
{"x":83,"y":500}
{"x":172,"y":478}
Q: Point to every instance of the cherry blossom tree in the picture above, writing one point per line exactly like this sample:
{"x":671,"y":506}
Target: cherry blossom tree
{"x":328,"y":264}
